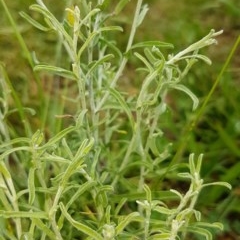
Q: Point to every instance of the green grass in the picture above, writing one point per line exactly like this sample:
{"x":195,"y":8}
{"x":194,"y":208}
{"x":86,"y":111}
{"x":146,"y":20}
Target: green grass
{"x":88,"y":160}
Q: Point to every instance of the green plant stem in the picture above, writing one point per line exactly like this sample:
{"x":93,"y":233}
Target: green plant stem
{"x":125,"y":59}
{"x":92,"y":93}
{"x":52,"y":213}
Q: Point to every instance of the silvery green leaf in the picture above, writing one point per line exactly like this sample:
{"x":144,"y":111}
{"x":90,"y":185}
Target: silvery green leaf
{"x":188,"y":92}
{"x":125,"y":221}
{"x":164,"y":210}
{"x":4,"y":171}
{"x":210,"y":225}
{"x":160,"y":236}
{"x":43,"y":227}
{"x":145,"y":61}
{"x":177,"y":193}
{"x":52,"y":21}
{"x":86,"y":43}
{"x":224,"y":184}
{"x":80,"y":226}
{"x":58,"y":136}
{"x":201,"y":231}
{"x":142,"y":14}
{"x":197,"y":56}
{"x":12,"y":150}
{"x":34,"y":23}
{"x":151,"y":44}
{"x":111,"y":28}
{"x":185,"y":175}
{"x":95,"y":64}
{"x":55,"y":70}
{"x":31,"y":185}
{"x":37,"y":138}
{"x":197,"y":215}
{"x":204,"y":58}
{"x":148,"y":193}
{"x":123,"y":103}
{"x":22,"y":214}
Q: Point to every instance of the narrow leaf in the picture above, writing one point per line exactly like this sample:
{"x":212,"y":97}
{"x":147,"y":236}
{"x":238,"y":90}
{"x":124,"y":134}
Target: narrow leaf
{"x":58,"y":136}
{"x":152,"y":44}
{"x":99,"y":62}
{"x":210,"y":225}
{"x":33,"y":22}
{"x":112,"y":46}
{"x":123,"y":103}
{"x":86,"y":43}
{"x":83,"y":188}
{"x":45,"y":229}
{"x":148,"y":193}
{"x":14,"y":141}
{"x":31,"y":185}
{"x":22,"y":214}
{"x":55,"y":70}
{"x":52,"y":21}
{"x":85,"y":147}
{"x":8,"y":152}
{"x":201,"y":231}
{"x":188,"y":92}
{"x":80,"y":226}
{"x":164,"y":210}
{"x":224,"y":184}
{"x":142,"y":14}
{"x":126,"y":220}
{"x":145,"y":61}
{"x":111,"y":28}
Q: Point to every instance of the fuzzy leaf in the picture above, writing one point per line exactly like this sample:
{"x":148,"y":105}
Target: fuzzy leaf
{"x":31,"y":186}
{"x":94,"y":65}
{"x":148,"y":193}
{"x":51,"y":21}
{"x":164,"y":210}
{"x":160,"y":236}
{"x":151,"y":44}
{"x":58,"y":136}
{"x":123,"y":104}
{"x":145,"y":61}
{"x":34,"y":23}
{"x":22,"y":214}
{"x":186,"y":90}
{"x":111,"y":28}
{"x":55,"y":70}
{"x":86,"y":43}
{"x":80,"y":226}
{"x":142,"y":14}
{"x":45,"y":229}
{"x":12,"y":150}
{"x":125,"y":221}
{"x":112,"y":46}
{"x":201,"y":231}
{"x":224,"y":184}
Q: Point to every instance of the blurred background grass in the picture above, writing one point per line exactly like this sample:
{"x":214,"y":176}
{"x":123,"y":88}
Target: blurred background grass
{"x":217,"y":134}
